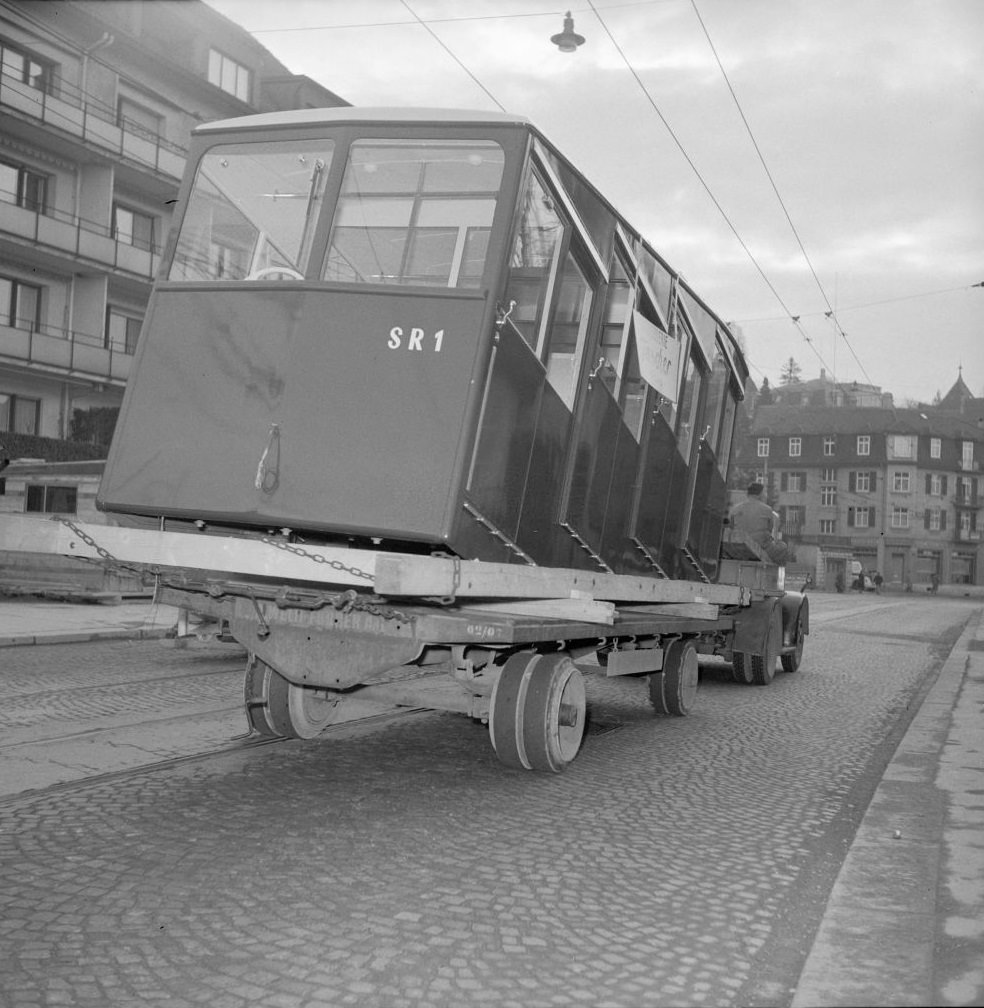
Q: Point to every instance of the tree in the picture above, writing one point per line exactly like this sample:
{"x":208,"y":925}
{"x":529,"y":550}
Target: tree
{"x":766,"y":396}
{"x":93,"y":426}
{"x":790,"y":373}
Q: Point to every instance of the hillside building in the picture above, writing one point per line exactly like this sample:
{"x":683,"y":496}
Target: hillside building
{"x":97,"y":103}
{"x":897,"y":490}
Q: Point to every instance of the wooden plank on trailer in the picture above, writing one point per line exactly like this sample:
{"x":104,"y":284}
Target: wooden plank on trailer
{"x":585,"y":610}
{"x":404,"y":575}
{"x":188,"y":551}
{"x":690,"y":610}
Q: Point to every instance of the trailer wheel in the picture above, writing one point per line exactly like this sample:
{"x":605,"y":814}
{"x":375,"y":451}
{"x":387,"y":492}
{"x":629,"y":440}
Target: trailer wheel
{"x":674,"y":690}
{"x":741,"y":668}
{"x":791,"y":660}
{"x":256,"y":689}
{"x":537,"y":712}
{"x":278,"y":708}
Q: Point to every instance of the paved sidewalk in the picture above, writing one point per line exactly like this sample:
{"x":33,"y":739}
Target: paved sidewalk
{"x":904,"y":924}
{"x":28,"y":621}
{"x":906,"y":914}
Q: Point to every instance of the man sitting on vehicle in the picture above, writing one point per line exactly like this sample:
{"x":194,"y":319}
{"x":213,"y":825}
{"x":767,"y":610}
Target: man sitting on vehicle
{"x":760,"y":523}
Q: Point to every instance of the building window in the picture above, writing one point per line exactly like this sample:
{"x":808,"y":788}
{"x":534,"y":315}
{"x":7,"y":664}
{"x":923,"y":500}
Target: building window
{"x":828,"y":475}
{"x":861,"y":482}
{"x":795,"y":447}
{"x":763,"y":447}
{"x":901,"y":446}
{"x":861,"y":517}
{"x":935,"y":519}
{"x":829,"y":445}
{"x":828,"y":526}
{"x":229,"y":75}
{"x":793,"y":482}
{"x":967,"y":456}
{"x":122,"y":330}
{"x":935,"y":448}
{"x":900,"y":517}
{"x":965,"y":490}
{"x":828,"y":496}
{"x":51,"y":498}
{"x":793,"y":519}
{"x":23,"y":187}
{"x":900,"y":482}
{"x":21,"y":66}
{"x":139,"y":119}
{"x":19,"y":414}
{"x":20,"y":304}
{"x":864,"y":444}
{"x":131,"y":227}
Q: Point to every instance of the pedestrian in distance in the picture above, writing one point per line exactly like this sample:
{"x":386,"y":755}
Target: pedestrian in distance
{"x":934,"y":583}
{"x":807,"y":581}
{"x":879,"y":581}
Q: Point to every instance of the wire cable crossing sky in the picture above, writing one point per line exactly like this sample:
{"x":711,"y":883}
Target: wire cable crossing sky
{"x":825,"y":157}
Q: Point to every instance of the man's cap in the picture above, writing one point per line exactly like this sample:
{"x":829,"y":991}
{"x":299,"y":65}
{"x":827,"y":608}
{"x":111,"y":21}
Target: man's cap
{"x":755,"y":488}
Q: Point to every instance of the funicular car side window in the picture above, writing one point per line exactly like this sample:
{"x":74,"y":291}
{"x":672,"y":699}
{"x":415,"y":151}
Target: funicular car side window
{"x":415,"y":212}
{"x":539,"y":239}
{"x":253,"y":211}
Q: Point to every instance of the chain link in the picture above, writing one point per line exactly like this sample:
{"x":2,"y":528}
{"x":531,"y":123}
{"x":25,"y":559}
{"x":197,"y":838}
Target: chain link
{"x":114,"y":563}
{"x":282,"y":544}
{"x":344,"y":602}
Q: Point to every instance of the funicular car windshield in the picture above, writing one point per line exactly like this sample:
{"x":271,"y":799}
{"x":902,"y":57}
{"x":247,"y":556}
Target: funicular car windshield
{"x":415,"y":212}
{"x":253,"y":211}
{"x":410,"y":212}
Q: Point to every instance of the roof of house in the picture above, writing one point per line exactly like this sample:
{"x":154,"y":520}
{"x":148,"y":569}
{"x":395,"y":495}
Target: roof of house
{"x":930,"y":422}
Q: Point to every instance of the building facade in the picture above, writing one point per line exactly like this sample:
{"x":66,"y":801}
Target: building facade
{"x":97,"y":102}
{"x":897,"y":490}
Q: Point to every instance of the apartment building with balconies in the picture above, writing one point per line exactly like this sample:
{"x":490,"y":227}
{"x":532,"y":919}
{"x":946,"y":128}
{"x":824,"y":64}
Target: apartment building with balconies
{"x":898,"y":490}
{"x":97,"y":102}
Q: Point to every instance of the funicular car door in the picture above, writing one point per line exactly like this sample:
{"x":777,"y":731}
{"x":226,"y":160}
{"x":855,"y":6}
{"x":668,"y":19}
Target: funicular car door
{"x":658,"y":357}
{"x":607,"y":431}
{"x":710,"y":489}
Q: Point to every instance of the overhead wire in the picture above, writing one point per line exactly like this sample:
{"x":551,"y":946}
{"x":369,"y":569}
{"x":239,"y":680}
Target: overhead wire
{"x":437,"y":39}
{"x":741,"y":241}
{"x":830,"y":313}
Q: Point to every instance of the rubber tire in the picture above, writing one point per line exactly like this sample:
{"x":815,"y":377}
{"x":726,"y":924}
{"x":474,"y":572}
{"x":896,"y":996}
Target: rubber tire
{"x":277,"y":708}
{"x":674,"y":690}
{"x":532,"y":698}
{"x":764,"y":666}
{"x":741,"y":668}
{"x":792,"y":661}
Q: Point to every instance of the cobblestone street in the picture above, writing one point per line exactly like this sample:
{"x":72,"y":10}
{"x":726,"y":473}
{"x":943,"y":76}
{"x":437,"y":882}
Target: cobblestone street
{"x":676,"y":862}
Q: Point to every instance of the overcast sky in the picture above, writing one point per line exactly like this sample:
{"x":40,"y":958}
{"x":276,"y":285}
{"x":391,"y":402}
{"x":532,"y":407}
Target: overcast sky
{"x":868,"y":115}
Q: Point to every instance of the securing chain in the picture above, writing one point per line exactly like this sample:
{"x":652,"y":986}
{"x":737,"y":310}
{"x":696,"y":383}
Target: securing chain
{"x":285,"y":598}
{"x":114,"y":563}
{"x":288,"y":547}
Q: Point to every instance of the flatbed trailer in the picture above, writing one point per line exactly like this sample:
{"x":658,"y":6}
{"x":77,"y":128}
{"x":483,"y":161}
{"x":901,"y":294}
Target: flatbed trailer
{"x":504,"y":645}
{"x":417,"y":415}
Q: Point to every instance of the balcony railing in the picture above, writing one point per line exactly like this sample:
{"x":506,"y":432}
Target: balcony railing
{"x":972,"y":501}
{"x":77,"y":236}
{"x":968,"y":535}
{"x":66,"y":352}
{"x":968,"y":465}
{"x":64,"y":107}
